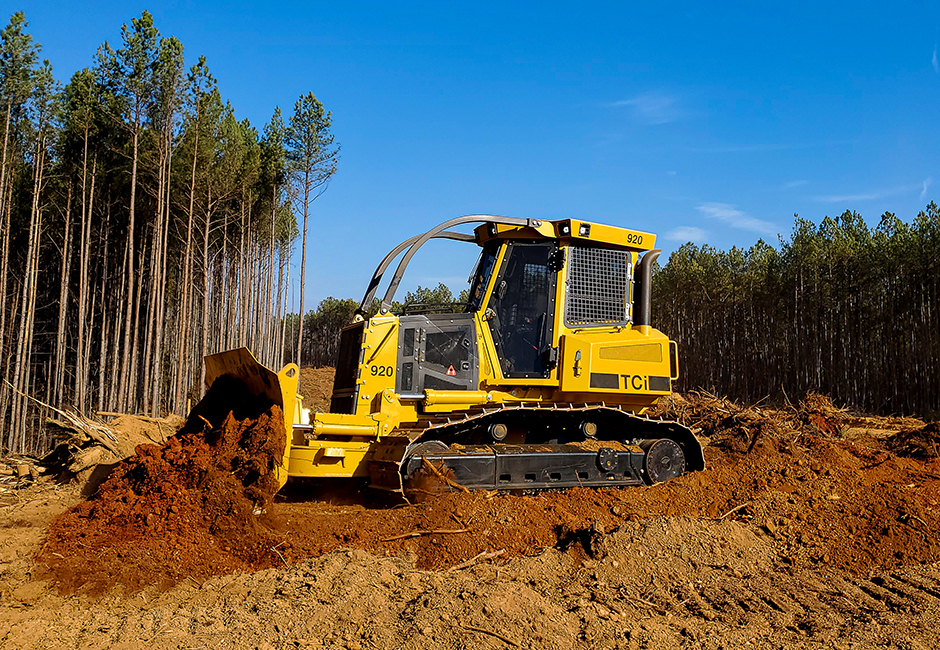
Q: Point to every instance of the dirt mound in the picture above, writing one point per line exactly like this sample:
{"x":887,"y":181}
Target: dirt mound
{"x":187,"y":508}
{"x":847,"y":504}
{"x":316,"y":385}
{"x":922,"y":442}
{"x":818,"y":413}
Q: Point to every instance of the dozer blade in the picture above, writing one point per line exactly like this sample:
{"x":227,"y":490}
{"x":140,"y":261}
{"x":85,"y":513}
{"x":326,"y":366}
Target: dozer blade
{"x":278,"y":388}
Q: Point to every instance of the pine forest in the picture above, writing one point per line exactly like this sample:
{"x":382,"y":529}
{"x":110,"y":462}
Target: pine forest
{"x":840,"y":308}
{"x":143,"y":226}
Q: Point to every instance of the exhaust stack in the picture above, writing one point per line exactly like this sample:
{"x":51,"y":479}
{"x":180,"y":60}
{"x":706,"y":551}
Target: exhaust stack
{"x":642,"y":303}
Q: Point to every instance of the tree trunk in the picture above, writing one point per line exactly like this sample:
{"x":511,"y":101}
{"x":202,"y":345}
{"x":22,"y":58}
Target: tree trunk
{"x":268,"y":332}
{"x":187,"y":284}
{"x":64,"y":281}
{"x":81,"y":356}
{"x":104,"y":317}
{"x":125,"y":376}
{"x":205,"y":294}
{"x":303,"y":267}
{"x":161,"y":295}
{"x":5,"y":200}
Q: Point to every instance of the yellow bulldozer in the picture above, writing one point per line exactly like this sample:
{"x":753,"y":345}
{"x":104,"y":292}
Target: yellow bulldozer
{"x":542,"y":381}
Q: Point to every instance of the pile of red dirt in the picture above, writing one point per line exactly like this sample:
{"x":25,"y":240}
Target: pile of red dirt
{"x":188,"y":508}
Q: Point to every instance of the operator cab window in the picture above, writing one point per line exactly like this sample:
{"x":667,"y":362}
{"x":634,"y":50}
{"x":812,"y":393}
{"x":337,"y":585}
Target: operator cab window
{"x":521,"y":310}
{"x":481,"y":276}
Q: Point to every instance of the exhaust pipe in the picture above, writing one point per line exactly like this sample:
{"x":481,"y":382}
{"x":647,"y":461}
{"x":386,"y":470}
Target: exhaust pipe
{"x":642,"y":303}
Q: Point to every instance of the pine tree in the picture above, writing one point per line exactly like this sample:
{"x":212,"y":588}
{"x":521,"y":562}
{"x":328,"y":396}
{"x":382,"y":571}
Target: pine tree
{"x":18,"y":57}
{"x":313,"y":159}
{"x":130,"y":73}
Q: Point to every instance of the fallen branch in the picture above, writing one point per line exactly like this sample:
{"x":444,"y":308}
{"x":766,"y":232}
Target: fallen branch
{"x":274,"y":548}
{"x":92,"y":429}
{"x":420,"y":533}
{"x":482,"y":557}
{"x":640,"y":601}
{"x":440,"y":475}
{"x":492,"y":634}
{"x":734,"y":510}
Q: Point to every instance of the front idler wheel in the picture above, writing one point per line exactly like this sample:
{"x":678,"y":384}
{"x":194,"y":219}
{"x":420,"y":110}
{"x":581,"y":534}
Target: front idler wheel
{"x":664,"y":460}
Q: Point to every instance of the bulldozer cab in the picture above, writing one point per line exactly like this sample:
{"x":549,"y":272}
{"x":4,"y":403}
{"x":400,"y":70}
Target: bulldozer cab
{"x":543,"y":297}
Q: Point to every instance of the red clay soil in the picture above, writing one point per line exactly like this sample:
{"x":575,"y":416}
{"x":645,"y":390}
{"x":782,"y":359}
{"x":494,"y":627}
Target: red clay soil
{"x":183,"y":509}
{"x":846,"y":504}
{"x":177,"y":511}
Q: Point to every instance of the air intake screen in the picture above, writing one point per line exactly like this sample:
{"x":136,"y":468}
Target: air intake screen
{"x":599,"y":282}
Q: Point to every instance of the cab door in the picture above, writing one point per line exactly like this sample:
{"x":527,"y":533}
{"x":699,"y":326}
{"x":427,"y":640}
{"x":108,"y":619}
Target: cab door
{"x":520,"y":313}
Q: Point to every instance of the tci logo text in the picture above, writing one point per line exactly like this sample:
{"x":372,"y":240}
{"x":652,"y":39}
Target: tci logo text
{"x":636,"y":382}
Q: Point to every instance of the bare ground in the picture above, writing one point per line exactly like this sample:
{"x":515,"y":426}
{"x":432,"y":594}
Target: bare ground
{"x":804,"y":532}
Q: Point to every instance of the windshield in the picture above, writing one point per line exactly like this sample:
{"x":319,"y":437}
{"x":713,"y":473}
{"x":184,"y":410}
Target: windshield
{"x":481,"y":277}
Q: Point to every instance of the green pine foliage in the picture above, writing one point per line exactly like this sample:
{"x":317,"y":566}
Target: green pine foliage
{"x":142,"y":226}
{"x":841,"y":308}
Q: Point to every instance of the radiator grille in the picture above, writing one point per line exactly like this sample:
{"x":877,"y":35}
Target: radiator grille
{"x":599,"y":281}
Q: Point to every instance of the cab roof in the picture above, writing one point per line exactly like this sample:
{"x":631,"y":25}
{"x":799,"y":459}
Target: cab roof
{"x":569,"y":230}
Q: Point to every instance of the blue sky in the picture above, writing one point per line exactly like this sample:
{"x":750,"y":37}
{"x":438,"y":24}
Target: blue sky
{"x":696,"y":121}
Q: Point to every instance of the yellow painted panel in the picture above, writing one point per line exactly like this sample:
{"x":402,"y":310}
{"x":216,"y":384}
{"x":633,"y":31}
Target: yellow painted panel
{"x":330,"y":459}
{"x":604,"y":234}
{"x":289,"y":382}
{"x":652,"y":352}
{"x":379,"y":362}
{"x":583,"y":369}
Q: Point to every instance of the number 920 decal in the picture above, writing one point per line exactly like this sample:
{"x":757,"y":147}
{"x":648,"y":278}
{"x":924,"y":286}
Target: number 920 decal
{"x":381,"y":371}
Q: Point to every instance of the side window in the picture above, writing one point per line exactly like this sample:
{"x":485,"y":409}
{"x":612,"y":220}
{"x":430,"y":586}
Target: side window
{"x":481,"y":276}
{"x":522,"y":307}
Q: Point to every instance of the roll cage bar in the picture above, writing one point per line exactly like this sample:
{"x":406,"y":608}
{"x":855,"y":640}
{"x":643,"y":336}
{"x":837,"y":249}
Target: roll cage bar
{"x":642,"y":299}
{"x":416,"y":242}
